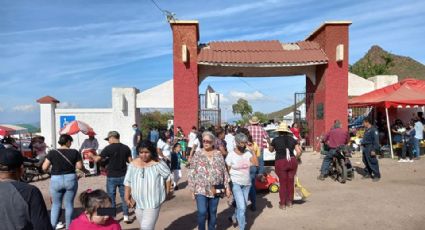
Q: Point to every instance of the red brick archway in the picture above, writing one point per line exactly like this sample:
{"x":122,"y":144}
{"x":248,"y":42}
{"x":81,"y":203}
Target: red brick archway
{"x":322,"y":57}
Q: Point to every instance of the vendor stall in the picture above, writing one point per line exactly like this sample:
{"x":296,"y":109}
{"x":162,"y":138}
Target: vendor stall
{"x":409,"y":93}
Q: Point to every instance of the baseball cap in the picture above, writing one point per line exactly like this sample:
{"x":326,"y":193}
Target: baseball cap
{"x":11,"y":158}
{"x":112,"y":134}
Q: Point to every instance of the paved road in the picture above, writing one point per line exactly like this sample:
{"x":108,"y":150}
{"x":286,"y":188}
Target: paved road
{"x":396,"y":202}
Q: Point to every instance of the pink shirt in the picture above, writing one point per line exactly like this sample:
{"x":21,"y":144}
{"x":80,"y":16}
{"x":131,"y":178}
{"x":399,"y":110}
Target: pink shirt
{"x":82,"y":223}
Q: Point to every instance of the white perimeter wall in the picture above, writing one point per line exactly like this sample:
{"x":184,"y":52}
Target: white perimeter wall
{"x":99,"y":119}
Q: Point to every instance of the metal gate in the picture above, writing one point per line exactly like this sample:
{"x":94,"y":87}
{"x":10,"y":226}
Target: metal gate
{"x":305,"y":115}
{"x":209,"y":114}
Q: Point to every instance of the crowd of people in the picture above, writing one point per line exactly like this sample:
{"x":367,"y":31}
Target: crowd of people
{"x":222,"y":162}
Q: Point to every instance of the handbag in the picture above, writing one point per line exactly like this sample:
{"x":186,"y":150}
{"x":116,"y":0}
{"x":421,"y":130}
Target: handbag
{"x":300,"y":190}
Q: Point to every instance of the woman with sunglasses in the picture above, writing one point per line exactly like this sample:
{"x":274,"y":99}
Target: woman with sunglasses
{"x":208,"y":180}
{"x":145,"y":185}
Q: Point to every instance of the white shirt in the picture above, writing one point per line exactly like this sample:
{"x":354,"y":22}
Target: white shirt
{"x":197,"y":143}
{"x":419,"y":130}
{"x":192,"y":137}
{"x":165,"y":148}
{"x":239,"y":167}
{"x":230,"y":142}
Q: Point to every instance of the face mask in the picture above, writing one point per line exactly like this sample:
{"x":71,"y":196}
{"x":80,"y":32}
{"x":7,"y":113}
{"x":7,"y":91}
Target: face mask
{"x":241,"y":149}
{"x":134,"y":128}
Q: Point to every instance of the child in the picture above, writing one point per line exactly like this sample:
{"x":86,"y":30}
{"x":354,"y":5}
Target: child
{"x":89,"y":220}
{"x":176,"y":158}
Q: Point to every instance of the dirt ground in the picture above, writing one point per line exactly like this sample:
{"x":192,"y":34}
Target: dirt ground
{"x":395,"y":202}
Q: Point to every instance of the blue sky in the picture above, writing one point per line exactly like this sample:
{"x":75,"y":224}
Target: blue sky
{"x":78,"y":50}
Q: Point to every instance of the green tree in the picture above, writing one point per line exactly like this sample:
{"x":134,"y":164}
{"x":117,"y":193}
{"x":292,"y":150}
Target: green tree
{"x":261,"y":116}
{"x":154,"y":119}
{"x":242,"y":107}
{"x":369,"y":69}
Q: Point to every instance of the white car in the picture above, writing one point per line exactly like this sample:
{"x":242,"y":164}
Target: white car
{"x":267,"y":155}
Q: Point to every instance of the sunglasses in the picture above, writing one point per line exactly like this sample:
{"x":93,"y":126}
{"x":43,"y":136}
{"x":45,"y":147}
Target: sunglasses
{"x":207,"y":141}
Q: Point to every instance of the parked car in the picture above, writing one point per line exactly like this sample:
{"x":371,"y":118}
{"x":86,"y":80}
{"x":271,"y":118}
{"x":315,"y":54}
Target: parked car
{"x":267,"y":155}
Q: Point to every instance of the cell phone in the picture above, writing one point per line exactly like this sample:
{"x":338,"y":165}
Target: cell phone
{"x":107,"y":212}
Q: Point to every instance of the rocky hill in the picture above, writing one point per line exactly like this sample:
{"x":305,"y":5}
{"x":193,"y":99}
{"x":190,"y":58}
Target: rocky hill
{"x":378,"y":61}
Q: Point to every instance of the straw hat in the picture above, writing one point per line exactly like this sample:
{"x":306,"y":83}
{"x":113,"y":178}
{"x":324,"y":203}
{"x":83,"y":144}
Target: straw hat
{"x":254,"y":120}
{"x":283,"y":127}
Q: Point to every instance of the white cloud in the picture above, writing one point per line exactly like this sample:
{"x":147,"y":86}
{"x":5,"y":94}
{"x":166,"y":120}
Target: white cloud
{"x":25,"y":108}
{"x":66,"y":105}
{"x":254,"y":96}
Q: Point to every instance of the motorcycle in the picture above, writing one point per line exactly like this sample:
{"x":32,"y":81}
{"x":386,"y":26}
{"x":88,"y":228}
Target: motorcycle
{"x":32,"y":168}
{"x":341,"y":168}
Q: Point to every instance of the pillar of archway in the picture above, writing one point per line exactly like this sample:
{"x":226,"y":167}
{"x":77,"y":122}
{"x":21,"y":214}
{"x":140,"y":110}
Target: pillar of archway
{"x":185,"y":73}
{"x":330,"y":83}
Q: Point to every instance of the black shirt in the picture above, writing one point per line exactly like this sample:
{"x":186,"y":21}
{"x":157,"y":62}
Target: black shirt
{"x":136,"y":135}
{"x":281,"y":143}
{"x":22,"y":207}
{"x":117,"y":155}
{"x":60,"y":166}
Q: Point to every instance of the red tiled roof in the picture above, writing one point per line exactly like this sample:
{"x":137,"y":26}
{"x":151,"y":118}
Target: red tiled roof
{"x":262,"y":52}
{"x":47,"y":100}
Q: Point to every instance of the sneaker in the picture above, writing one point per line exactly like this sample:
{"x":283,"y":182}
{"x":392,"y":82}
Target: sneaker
{"x":60,"y":225}
{"x":376,"y":179}
{"x":410,"y":160}
{"x":126,"y":219}
{"x":321,"y":177}
{"x":402,"y":161}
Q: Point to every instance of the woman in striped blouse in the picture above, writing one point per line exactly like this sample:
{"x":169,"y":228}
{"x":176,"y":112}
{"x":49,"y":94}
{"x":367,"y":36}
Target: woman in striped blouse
{"x":145,"y":186}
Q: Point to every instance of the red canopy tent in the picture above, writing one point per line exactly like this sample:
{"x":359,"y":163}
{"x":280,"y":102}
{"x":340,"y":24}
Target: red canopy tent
{"x":405,"y":94}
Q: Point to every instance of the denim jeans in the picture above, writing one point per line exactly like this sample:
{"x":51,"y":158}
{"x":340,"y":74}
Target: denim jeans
{"x":416,"y":147}
{"x":134,"y":153}
{"x":240,"y":194}
{"x":207,"y":207}
{"x":252,"y":192}
{"x":62,"y":188}
{"x":111,"y":188}
{"x":324,"y":170}
{"x":261,"y":168}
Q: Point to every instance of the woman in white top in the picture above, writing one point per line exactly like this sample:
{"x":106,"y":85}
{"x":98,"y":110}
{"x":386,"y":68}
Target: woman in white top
{"x":239,"y":160}
{"x":163,"y":147}
{"x":145,"y":187}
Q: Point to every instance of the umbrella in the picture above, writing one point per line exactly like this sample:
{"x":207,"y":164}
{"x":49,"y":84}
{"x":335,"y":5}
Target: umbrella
{"x":76,"y":126}
{"x":6,"y":130}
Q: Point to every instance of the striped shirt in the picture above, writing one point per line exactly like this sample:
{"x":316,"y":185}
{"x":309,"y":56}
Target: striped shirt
{"x":147,"y":184}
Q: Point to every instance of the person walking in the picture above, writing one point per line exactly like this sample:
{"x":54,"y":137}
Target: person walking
{"x":419,"y":130}
{"x":191,"y":139}
{"x":116,"y":155}
{"x":137,"y":137}
{"x":64,"y":181}
{"x":208,"y":180}
{"x":286,"y":163}
{"x":370,"y":143}
{"x":163,"y":147}
{"x":144,"y":185}
{"x":21,"y":204}
{"x":239,"y":160}
{"x":259,"y":135}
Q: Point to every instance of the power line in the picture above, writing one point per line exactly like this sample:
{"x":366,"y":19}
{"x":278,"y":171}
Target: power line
{"x":169,"y":15}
